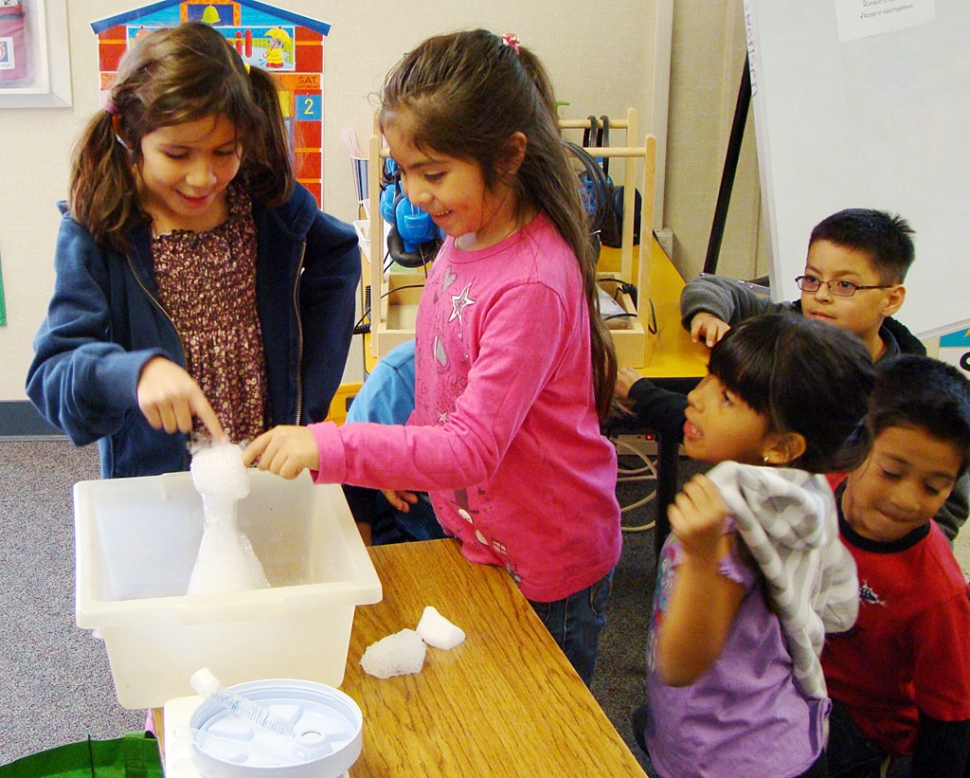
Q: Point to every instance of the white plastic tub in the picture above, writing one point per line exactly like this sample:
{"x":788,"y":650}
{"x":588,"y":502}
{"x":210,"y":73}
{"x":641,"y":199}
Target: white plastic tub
{"x":136,"y":542}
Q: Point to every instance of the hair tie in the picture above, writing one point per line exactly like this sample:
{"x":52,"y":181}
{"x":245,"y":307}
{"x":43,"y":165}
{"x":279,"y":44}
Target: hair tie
{"x":246,"y":65}
{"x":111,"y":108}
{"x":116,"y":126}
{"x":512,"y":40}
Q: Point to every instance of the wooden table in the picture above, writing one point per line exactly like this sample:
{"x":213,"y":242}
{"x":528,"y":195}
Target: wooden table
{"x":506,"y":702}
{"x":672,"y":355}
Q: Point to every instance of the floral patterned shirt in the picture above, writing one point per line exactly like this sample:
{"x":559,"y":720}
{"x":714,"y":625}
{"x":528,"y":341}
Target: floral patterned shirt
{"x":207,"y":284}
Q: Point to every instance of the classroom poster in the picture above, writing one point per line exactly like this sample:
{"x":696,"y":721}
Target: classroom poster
{"x":15,"y":45}
{"x":286,"y":44}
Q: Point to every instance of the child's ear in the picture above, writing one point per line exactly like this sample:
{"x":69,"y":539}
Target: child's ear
{"x":781,"y":450}
{"x":894,"y":300}
{"x":514,"y":152}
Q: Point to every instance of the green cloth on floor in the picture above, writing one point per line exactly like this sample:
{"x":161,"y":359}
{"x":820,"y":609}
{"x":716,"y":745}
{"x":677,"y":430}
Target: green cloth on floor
{"x":131,"y":756}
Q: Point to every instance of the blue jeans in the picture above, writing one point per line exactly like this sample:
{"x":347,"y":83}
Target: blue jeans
{"x":575,"y":623}
{"x":852,"y":755}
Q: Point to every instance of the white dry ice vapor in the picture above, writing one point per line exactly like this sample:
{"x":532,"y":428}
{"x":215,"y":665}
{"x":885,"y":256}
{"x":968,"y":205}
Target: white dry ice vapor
{"x":226,"y":561}
{"x":437,"y":631}
{"x":399,"y":654}
{"x":219,"y":471}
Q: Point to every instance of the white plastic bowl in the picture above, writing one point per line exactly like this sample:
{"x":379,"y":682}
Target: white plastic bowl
{"x":328,"y":725}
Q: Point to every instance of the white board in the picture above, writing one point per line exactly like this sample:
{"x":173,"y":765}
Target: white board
{"x":866,"y":103}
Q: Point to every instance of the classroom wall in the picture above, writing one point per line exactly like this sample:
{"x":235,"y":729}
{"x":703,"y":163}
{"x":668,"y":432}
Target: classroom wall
{"x":709,"y":47}
{"x":600,"y":62}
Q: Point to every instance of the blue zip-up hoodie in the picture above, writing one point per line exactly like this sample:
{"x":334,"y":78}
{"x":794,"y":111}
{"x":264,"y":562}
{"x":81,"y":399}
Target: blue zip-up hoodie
{"x":105,"y":321}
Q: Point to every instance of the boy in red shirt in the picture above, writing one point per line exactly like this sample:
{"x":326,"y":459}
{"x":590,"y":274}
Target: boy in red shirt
{"x":900,"y":678}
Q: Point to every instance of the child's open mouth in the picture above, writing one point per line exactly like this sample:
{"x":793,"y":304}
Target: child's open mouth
{"x":691,"y":431}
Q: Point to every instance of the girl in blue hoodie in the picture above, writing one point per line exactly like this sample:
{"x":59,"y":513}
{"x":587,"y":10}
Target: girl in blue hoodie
{"x":200,"y":291}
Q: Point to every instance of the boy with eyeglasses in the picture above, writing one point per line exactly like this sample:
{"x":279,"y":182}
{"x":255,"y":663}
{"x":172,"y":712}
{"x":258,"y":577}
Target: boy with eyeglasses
{"x":857,"y":261}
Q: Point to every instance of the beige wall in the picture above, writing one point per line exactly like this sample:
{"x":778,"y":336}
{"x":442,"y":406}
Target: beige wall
{"x":600,"y":62}
{"x":706,"y":67}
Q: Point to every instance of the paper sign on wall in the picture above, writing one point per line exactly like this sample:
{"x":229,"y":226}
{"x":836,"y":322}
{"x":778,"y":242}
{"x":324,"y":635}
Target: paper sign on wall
{"x":862,"y":18}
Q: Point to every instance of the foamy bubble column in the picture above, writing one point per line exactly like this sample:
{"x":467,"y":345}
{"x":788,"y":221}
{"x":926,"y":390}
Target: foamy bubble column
{"x":226,"y":561}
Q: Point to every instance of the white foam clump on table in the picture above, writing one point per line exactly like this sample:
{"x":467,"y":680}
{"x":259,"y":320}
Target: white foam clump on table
{"x":403,"y":652}
{"x":437,"y":631}
{"x":399,"y":654}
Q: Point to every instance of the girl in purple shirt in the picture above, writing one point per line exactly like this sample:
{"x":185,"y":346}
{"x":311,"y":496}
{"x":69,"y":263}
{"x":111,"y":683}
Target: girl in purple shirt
{"x":754,"y":573}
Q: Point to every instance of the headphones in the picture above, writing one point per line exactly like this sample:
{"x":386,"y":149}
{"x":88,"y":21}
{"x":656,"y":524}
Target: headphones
{"x":596,"y":192}
{"x":603,"y":200}
{"x":413,"y":239}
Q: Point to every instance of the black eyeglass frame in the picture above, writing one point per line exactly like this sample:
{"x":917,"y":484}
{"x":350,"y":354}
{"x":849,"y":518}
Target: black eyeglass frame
{"x":800,"y":280}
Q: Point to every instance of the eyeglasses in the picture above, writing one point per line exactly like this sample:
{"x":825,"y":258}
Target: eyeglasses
{"x":812,"y":284}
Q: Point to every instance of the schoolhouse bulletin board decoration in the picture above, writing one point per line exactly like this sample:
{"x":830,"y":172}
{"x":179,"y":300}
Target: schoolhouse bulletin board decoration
{"x":286,"y":44}
{"x":3,"y":304}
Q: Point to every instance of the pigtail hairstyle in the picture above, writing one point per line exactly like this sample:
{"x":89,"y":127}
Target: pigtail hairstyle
{"x":804,"y":376}
{"x":171,"y":76}
{"x":468,"y":93}
{"x":103,"y":191}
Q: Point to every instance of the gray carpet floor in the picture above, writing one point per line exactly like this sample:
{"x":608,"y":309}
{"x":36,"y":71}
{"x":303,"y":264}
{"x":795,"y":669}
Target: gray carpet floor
{"x":55,"y":681}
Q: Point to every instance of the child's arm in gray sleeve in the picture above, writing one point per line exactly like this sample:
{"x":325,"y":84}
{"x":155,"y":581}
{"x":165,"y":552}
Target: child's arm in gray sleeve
{"x":729,"y":300}
{"x":952,"y":516}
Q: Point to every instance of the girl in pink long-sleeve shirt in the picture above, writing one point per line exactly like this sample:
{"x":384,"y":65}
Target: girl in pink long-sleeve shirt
{"x":514,"y":367}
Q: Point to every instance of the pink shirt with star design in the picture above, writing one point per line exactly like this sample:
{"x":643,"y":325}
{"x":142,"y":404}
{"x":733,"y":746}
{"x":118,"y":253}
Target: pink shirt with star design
{"x":505,"y":434}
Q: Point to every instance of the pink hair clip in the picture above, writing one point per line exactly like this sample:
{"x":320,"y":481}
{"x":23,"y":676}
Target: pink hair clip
{"x":511,"y":39}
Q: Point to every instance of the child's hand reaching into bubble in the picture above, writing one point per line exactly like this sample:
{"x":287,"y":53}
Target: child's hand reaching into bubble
{"x":286,"y":451}
{"x":169,"y":398}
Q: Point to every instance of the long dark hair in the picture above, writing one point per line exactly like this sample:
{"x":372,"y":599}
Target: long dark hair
{"x":803,"y":376}
{"x":171,"y":76}
{"x":468,"y":93}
